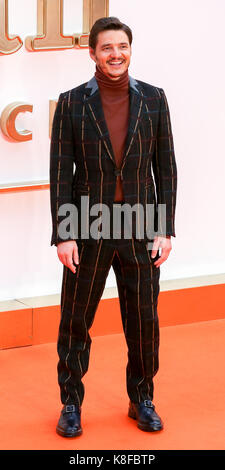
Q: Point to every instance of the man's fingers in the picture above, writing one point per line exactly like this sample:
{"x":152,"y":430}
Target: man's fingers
{"x":166,"y":247}
{"x":69,"y":262}
{"x":161,"y":259}
{"x":67,"y":253}
{"x":76,"y":254}
{"x":66,"y":259}
{"x":154,"y":249}
{"x":164,"y":255}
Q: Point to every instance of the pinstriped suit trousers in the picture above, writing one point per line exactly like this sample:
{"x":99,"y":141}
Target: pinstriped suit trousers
{"x":138,"y":287}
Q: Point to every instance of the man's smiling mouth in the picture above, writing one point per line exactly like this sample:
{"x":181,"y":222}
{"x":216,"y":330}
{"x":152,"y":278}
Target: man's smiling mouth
{"x":116,"y":63}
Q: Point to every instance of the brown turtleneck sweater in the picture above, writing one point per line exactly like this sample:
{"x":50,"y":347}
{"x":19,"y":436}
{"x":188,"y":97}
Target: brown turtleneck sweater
{"x":115,"y":102}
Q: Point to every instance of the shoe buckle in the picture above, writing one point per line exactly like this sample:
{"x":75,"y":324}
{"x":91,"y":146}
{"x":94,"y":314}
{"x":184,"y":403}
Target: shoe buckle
{"x":70,"y":409}
{"x":148,"y":403}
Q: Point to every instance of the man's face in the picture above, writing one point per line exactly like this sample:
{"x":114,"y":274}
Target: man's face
{"x":112,"y":53}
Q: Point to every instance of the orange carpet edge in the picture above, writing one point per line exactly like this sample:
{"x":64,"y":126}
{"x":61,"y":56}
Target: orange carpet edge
{"x":39,"y":325}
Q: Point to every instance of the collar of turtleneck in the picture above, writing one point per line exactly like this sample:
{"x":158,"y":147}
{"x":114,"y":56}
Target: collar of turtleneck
{"x":103,"y":81}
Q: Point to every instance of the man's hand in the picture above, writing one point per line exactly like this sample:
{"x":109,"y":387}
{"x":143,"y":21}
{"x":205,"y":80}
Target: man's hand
{"x":68,"y":254}
{"x":165,"y":244}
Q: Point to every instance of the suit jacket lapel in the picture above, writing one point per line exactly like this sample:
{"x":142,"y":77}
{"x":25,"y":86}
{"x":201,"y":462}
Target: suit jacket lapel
{"x":136,"y":110}
{"x":95,"y":110}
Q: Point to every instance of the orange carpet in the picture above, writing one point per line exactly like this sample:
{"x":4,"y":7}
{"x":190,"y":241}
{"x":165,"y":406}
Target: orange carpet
{"x":189,"y":394}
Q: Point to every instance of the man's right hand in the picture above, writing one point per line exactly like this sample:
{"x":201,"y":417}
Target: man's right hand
{"x":68,"y":254}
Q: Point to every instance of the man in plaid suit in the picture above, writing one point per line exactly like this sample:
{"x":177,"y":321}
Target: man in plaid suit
{"x":110,"y":136}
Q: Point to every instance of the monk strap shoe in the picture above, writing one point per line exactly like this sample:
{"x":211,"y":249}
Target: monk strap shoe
{"x":146,"y":416}
{"x":69,"y":424}
{"x":149,"y":404}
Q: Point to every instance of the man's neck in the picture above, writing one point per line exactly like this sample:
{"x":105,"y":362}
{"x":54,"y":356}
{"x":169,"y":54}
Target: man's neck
{"x":105,"y":80}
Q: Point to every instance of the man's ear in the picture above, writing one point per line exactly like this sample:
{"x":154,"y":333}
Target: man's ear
{"x":92,"y":54}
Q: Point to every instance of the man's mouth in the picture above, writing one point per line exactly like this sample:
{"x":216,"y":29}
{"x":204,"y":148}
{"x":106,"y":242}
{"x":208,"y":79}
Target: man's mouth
{"x":116,"y":63}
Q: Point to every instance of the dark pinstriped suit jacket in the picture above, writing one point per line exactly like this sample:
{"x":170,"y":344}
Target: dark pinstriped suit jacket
{"x":82,"y":160}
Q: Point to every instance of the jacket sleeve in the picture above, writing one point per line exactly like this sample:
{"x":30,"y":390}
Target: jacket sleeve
{"x":62,"y":156}
{"x":165,"y":170}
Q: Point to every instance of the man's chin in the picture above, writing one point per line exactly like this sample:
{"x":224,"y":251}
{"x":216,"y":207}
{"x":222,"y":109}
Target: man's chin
{"x":116,"y":74}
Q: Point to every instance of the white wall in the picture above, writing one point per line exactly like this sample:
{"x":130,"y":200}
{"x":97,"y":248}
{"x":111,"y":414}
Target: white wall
{"x":179,"y":46}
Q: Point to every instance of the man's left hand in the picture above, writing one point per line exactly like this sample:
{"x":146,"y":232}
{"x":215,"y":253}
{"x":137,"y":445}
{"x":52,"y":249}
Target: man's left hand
{"x":165,"y":244}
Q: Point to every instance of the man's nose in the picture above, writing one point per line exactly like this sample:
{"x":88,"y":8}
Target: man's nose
{"x":116,"y":53}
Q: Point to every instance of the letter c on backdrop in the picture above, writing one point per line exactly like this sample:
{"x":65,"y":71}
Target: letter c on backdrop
{"x":8,"y":118}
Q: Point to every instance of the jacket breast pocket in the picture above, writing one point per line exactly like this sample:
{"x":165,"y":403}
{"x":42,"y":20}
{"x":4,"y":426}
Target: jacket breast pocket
{"x":149,"y":125}
{"x":147,"y":122}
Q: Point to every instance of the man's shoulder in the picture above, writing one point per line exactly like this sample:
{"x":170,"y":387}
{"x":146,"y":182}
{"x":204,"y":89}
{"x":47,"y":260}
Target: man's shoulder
{"x":148,"y":89}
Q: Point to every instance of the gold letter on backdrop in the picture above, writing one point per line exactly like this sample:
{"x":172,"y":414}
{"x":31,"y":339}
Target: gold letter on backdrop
{"x":8,"y":118}
{"x":92,"y":10}
{"x":49,"y":28}
{"x":8,"y":43}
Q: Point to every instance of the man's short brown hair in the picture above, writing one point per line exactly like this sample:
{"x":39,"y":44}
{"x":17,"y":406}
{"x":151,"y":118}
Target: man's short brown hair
{"x":106,"y":23}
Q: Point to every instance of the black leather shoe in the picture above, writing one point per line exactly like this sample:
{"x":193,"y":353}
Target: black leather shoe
{"x":69,"y":424}
{"x":144,"y":412}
